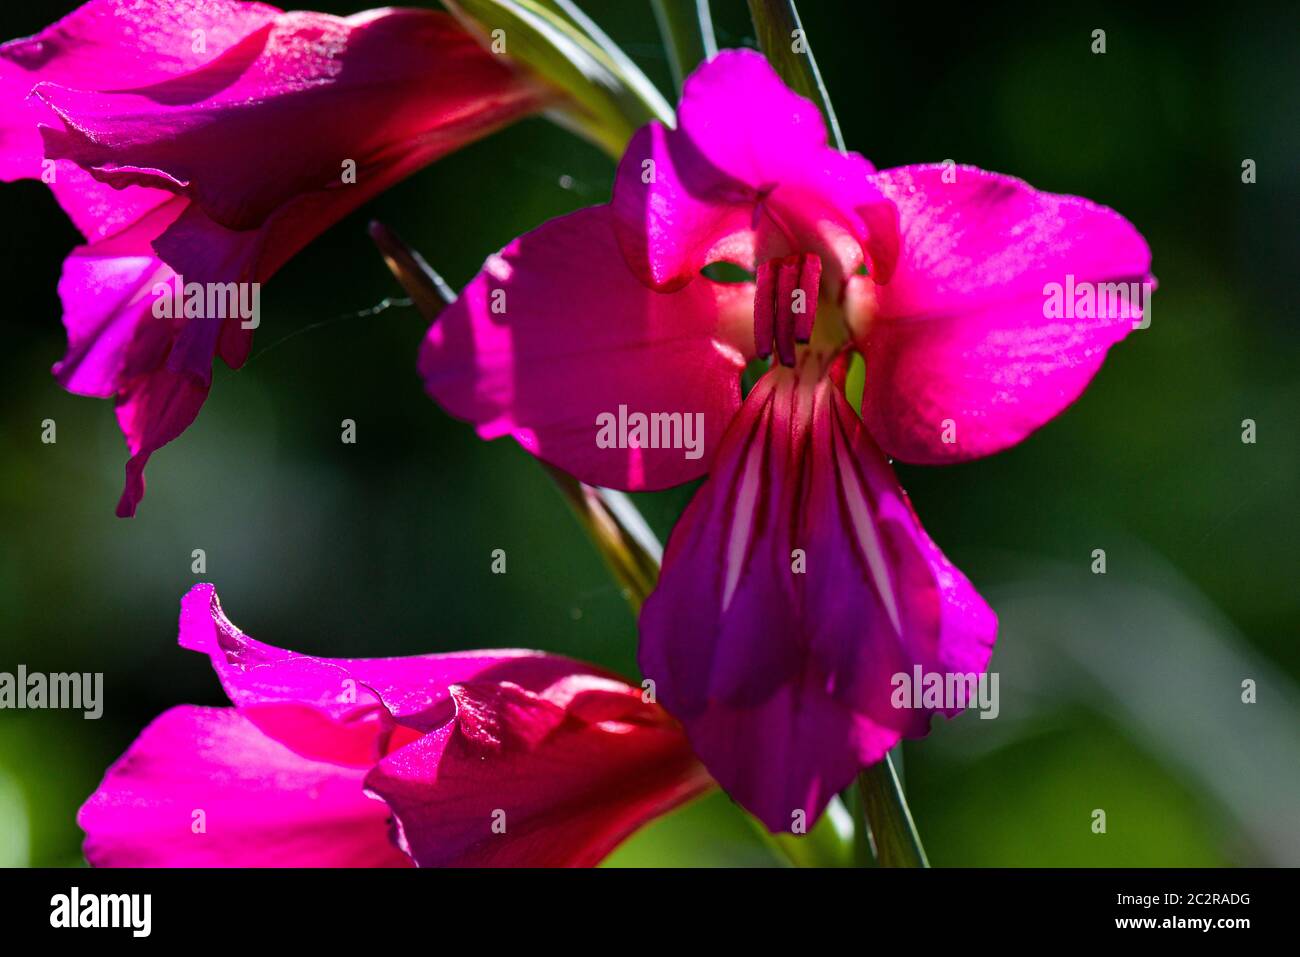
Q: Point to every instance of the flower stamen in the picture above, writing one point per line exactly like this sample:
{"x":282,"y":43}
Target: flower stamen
{"x":785,"y":304}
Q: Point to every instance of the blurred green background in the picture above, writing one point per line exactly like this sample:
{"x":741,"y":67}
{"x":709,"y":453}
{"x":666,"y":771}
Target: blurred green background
{"x":1119,"y":691}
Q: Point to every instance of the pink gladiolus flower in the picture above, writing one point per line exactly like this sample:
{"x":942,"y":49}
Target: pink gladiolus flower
{"x":799,"y":579}
{"x":206,"y":142}
{"x":475,"y":758}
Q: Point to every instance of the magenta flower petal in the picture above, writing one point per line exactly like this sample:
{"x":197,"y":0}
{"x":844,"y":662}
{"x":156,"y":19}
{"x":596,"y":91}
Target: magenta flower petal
{"x":555,"y":332}
{"x":795,"y":586}
{"x":552,"y":778}
{"x":389,"y":81}
{"x":746,"y":176}
{"x":203,"y":787}
{"x":576,"y":755}
{"x":962,"y":360}
{"x":292,"y":695}
{"x":151,"y":411}
{"x":689,"y":216}
{"x":110,"y":45}
{"x":98,"y":210}
{"x":879,"y":576}
{"x":159,"y":370}
{"x":107,"y":292}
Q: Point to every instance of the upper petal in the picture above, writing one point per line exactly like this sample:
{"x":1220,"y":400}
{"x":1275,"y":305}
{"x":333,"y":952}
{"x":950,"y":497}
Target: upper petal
{"x":674,"y":213}
{"x":328,"y":91}
{"x":110,"y":45}
{"x":204,"y":787}
{"x":748,"y":172}
{"x":556,"y":333}
{"x":796,"y":585}
{"x":964,"y":355}
{"x":552,"y":778}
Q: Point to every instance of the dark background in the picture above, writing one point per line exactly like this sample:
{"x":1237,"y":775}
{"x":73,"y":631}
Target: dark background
{"x":1119,"y":692}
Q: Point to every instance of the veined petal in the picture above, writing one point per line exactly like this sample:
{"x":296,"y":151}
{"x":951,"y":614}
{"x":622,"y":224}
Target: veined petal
{"x":795,"y":587}
{"x":964,"y":356}
{"x":552,"y":778}
{"x":555,"y":340}
{"x":204,"y":787}
{"x":882,"y":598}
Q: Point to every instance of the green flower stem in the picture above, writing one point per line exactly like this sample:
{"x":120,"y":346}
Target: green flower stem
{"x":619,"y":533}
{"x":687,"y":29}
{"x":864,"y":854}
{"x":429,"y":292}
{"x":884,"y":809}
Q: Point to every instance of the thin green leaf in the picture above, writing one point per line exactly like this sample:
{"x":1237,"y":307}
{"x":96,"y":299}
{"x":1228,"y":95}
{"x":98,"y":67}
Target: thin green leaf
{"x":628,"y":69}
{"x":687,"y":29}
{"x":783,"y":41}
{"x":608,"y":98}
